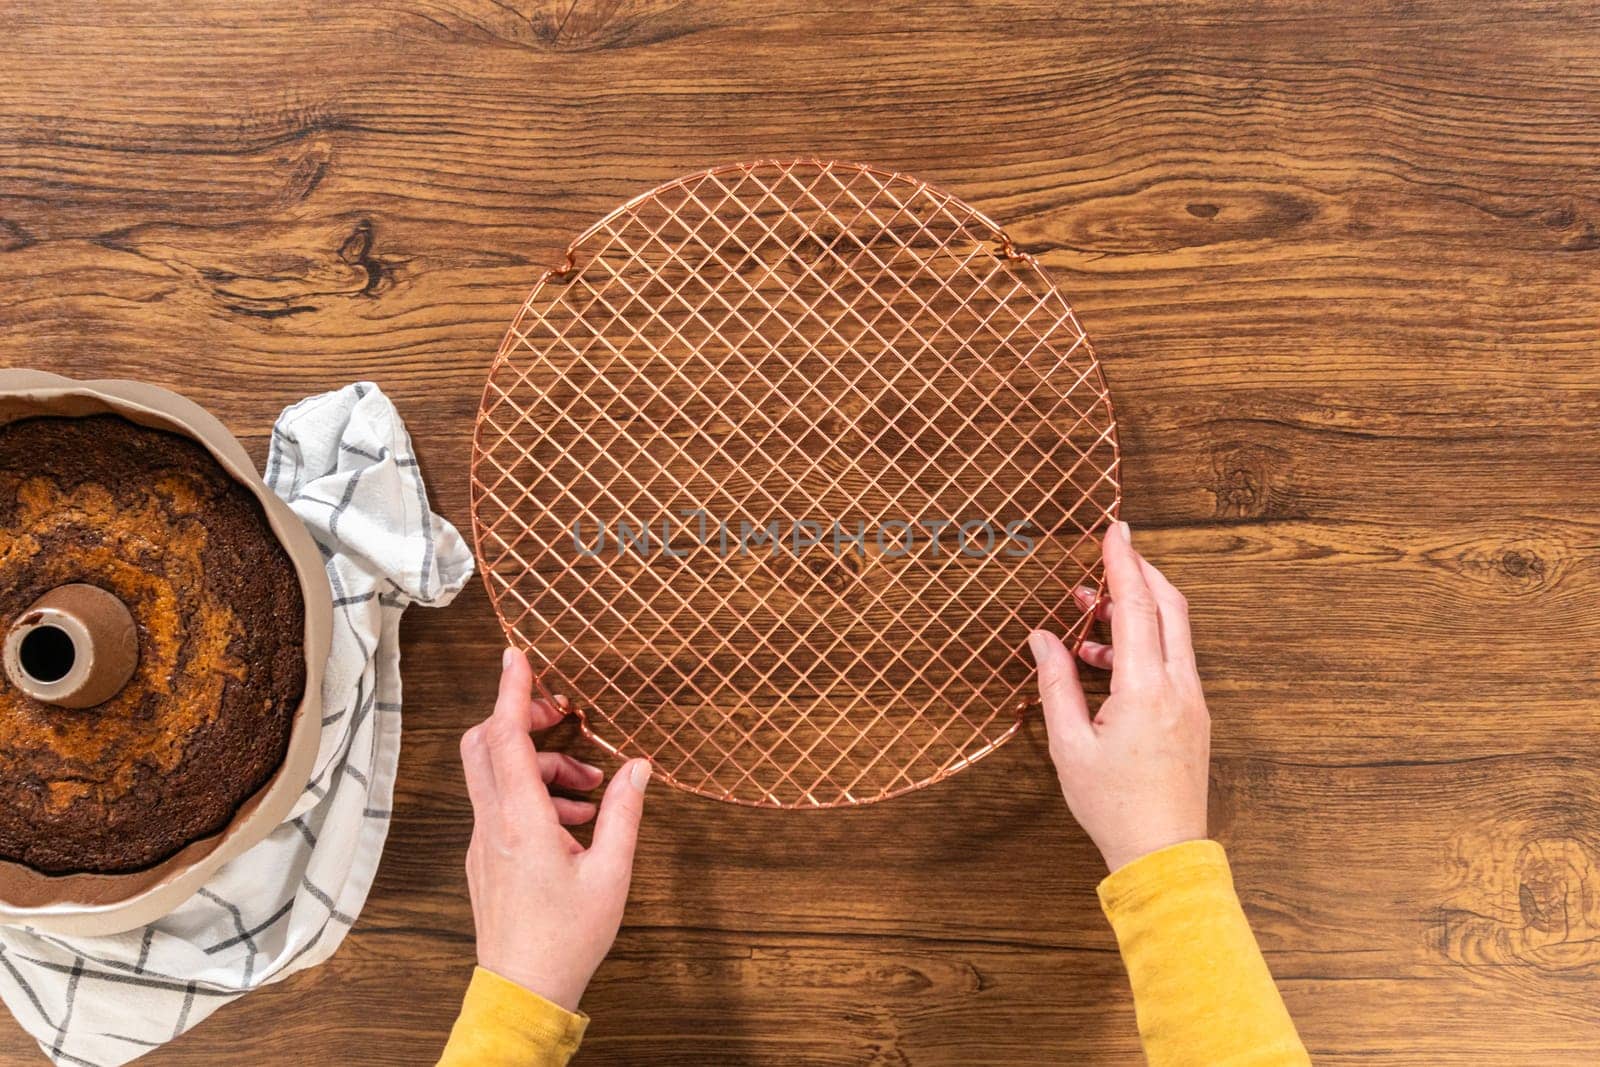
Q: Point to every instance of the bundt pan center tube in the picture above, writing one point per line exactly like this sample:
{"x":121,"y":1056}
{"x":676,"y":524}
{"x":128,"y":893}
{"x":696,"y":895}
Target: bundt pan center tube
{"x":72,"y":650}
{"x":75,"y":647}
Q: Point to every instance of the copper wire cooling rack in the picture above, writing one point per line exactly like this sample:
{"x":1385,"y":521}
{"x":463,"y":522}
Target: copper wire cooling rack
{"x":713,"y":459}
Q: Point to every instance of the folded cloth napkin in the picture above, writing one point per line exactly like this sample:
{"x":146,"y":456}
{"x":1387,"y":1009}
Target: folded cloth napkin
{"x":344,"y":463}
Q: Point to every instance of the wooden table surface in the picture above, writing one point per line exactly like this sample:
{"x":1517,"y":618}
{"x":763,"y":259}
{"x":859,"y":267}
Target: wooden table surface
{"x":1343,"y":263}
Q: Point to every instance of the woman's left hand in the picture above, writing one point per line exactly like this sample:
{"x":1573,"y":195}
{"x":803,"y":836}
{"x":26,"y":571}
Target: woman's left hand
{"x":546,"y":909}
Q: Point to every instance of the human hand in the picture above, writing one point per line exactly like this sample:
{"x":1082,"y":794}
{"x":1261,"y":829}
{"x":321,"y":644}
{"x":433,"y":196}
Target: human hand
{"x":1135,"y":774}
{"x":546,"y":910}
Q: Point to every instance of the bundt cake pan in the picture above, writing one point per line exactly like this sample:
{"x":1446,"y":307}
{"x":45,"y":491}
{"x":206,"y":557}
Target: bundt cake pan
{"x":95,"y":904}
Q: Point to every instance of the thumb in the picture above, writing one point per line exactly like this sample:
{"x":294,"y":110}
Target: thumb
{"x":1066,"y":712}
{"x":616,"y":830}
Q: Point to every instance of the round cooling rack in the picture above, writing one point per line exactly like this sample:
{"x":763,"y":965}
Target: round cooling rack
{"x":774,"y":475}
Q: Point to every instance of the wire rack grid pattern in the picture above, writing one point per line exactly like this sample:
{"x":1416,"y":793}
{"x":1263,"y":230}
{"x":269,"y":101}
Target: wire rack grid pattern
{"x":733,"y":462}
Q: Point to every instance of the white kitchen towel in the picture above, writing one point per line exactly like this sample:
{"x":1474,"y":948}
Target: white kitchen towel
{"x":344,"y":463}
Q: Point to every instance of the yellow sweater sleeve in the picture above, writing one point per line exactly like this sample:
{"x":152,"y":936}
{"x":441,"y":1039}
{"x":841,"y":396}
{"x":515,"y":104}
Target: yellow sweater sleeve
{"x":503,"y":1025}
{"x":1201,"y":990}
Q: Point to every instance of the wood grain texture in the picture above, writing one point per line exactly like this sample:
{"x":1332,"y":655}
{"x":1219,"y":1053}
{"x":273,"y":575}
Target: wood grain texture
{"x":1343,"y":264}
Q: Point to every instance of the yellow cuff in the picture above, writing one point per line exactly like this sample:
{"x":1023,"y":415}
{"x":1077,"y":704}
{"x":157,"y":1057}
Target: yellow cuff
{"x":1183,"y":865}
{"x":1201,"y":990}
{"x":503,"y":1023}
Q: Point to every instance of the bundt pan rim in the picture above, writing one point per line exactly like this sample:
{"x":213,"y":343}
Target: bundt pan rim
{"x":97,"y":904}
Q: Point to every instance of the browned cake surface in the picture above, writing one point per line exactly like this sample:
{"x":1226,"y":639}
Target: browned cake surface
{"x":153,"y":518}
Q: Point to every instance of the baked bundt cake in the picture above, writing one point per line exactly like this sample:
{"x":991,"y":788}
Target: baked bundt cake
{"x":203,"y":723}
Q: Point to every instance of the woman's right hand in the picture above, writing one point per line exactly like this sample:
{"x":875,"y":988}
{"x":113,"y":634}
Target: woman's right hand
{"x":1135,"y":774}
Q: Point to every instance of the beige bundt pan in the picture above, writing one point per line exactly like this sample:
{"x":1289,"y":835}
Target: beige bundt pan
{"x":94,"y":904}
